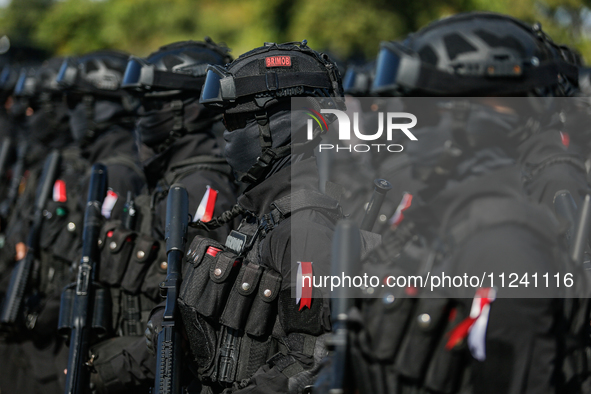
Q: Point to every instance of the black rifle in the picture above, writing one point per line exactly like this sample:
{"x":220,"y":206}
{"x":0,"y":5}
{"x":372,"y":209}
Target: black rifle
{"x":579,"y":221}
{"x":80,"y":307}
{"x":346,"y":257}
{"x":4,"y":155}
{"x":566,"y":208}
{"x":581,"y":234}
{"x":17,"y":174}
{"x":23,"y":270}
{"x":382,"y":187}
{"x":168,"y":356}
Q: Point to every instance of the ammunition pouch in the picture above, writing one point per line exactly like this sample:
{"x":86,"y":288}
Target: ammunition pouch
{"x":132,"y":266}
{"x":229,"y":307}
{"x":116,"y":245}
{"x":101,"y":317}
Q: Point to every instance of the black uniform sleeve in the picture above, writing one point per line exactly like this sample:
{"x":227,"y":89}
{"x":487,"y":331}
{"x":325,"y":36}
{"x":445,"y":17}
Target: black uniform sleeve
{"x":521,"y":342}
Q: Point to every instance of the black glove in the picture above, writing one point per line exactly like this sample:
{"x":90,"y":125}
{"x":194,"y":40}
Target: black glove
{"x":154,"y":327}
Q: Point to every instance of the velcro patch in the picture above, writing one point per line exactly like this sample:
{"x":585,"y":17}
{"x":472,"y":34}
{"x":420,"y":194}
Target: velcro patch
{"x":278,"y":61}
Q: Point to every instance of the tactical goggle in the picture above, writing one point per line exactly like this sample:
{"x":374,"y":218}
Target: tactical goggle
{"x":25,"y":85}
{"x":5,"y":77}
{"x":141,"y":75}
{"x":356,"y":82}
{"x":67,"y":76}
{"x":222,"y":88}
{"x":400,"y":70}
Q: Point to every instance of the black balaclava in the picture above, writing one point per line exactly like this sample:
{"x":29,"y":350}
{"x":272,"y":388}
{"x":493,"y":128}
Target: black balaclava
{"x":104,"y":112}
{"x":243,"y":146}
{"x":442,"y":157}
{"x":49,"y":125}
{"x":153,"y":127}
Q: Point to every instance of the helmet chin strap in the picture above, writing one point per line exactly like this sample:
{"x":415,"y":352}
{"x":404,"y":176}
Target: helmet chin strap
{"x":179,"y":128}
{"x":89,"y":101}
{"x":269,"y":154}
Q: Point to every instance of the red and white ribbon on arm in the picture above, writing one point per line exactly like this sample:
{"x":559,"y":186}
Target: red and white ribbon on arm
{"x":304,"y":284}
{"x":474,"y":326}
{"x":405,"y":203}
{"x":109,"y":203}
{"x":207,"y":205}
{"x":59,"y":191}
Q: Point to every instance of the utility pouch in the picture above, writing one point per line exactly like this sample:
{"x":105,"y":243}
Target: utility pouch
{"x":116,"y":246}
{"x":241,"y":296}
{"x":421,"y":337}
{"x":68,"y":243}
{"x":209,"y":276}
{"x":56,"y":216}
{"x":143,"y":255}
{"x":447,"y":365}
{"x":387,"y":319}
{"x":264,"y":307}
{"x":156,"y":273}
{"x":101,"y":310}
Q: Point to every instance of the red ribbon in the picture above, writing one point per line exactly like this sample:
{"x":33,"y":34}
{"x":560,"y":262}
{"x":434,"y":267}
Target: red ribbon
{"x":59,"y":191}
{"x":306,"y":299}
{"x":565,"y":139}
{"x":212,"y":195}
{"x":460,"y":332}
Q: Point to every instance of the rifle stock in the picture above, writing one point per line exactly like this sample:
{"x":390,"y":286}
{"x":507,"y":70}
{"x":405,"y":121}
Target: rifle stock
{"x":168,"y":356}
{"x":22,"y":272}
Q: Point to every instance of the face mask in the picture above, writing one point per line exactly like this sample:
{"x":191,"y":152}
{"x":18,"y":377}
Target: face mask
{"x":154,"y":126}
{"x":487,"y":127}
{"x":78,"y":122}
{"x":243,"y":146}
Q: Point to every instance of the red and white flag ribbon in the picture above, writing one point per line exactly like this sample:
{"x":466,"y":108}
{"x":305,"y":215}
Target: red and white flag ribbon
{"x":109,"y":203}
{"x":403,"y":206}
{"x":474,"y":326}
{"x":565,"y":139}
{"x":304,"y":284}
{"x":59,"y":191}
{"x":207,"y":205}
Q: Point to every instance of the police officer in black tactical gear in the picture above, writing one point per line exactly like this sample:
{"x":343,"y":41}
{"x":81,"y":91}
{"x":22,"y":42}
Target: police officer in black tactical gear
{"x":101,"y":120}
{"x":245,"y":331}
{"x":525,"y":55}
{"x":175,"y":135}
{"x":476,"y":217}
{"x":356,"y":170}
{"x":38,"y":351}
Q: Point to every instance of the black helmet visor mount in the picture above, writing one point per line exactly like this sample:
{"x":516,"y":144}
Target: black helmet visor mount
{"x":141,"y":76}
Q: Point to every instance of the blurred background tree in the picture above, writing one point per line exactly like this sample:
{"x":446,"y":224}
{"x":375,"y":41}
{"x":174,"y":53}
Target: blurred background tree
{"x":346,"y":28}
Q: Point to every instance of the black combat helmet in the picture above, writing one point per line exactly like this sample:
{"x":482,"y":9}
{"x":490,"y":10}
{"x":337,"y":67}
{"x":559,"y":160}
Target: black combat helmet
{"x":98,"y":73}
{"x":174,"y":68}
{"x":42,"y":80}
{"x":92,"y":84}
{"x":38,"y":89}
{"x":169,"y":82}
{"x":474,"y":54}
{"x":258,"y":87}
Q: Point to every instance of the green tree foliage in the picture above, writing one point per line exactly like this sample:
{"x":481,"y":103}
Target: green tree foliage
{"x":344,"y":27}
